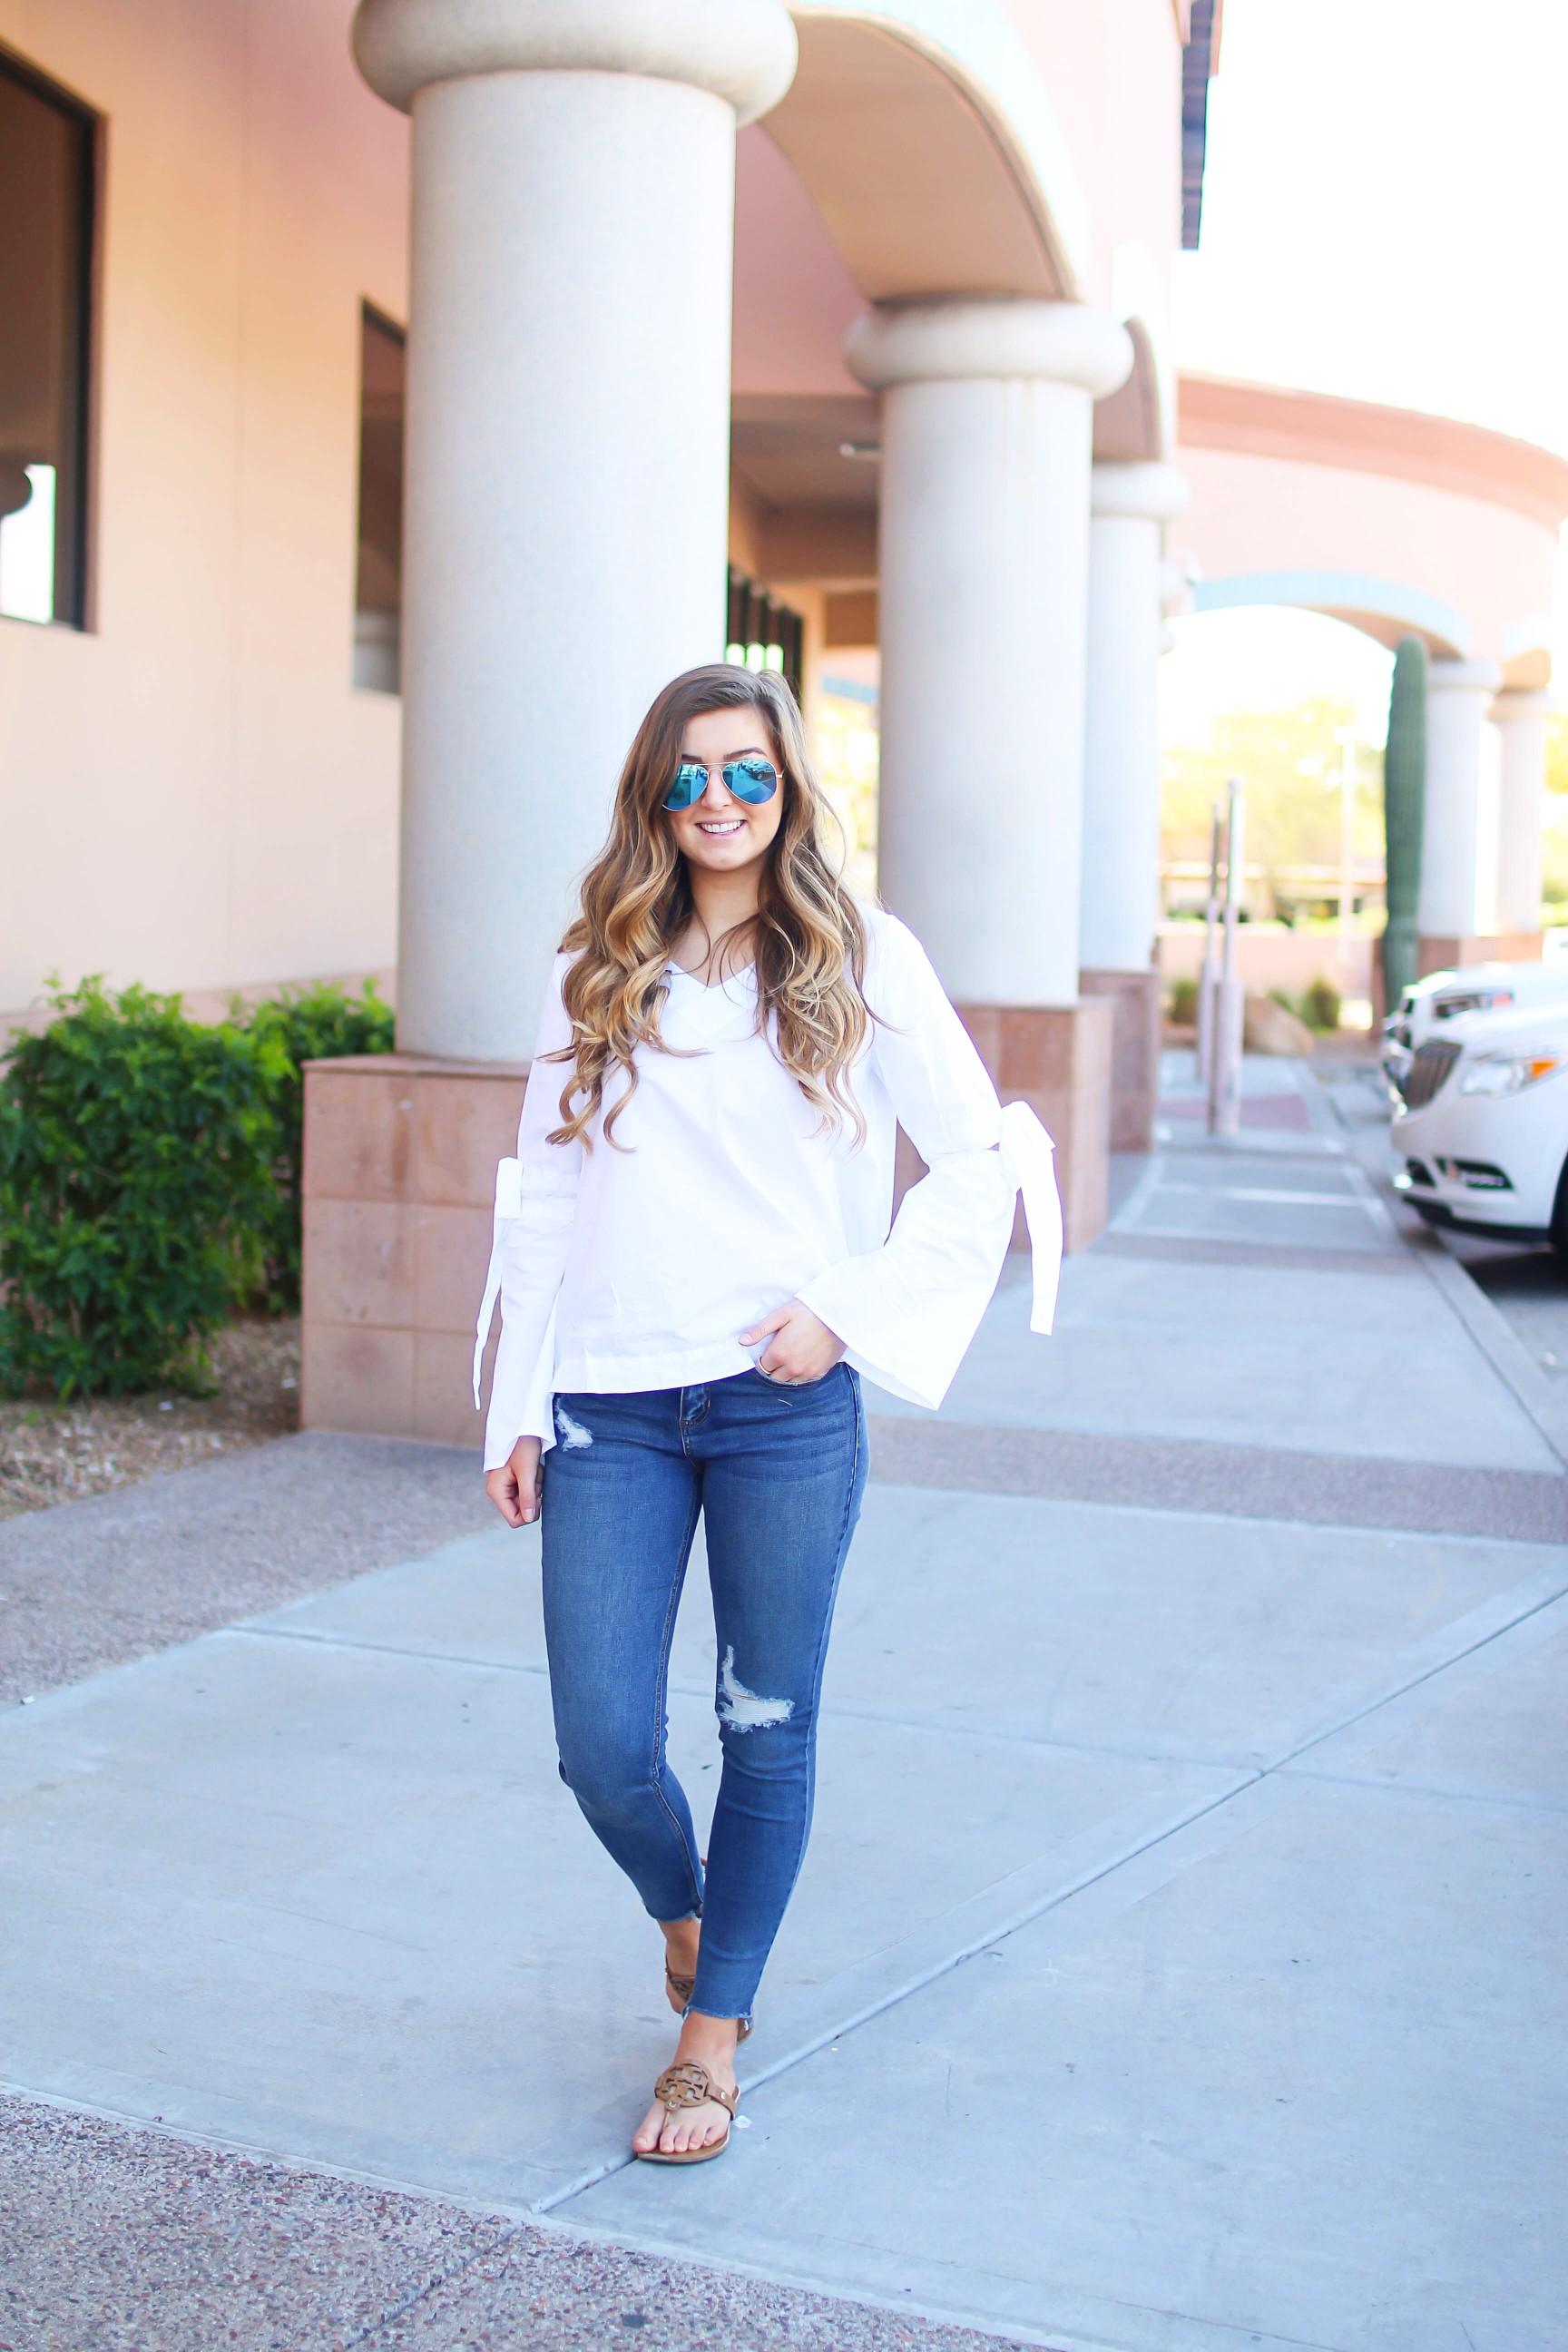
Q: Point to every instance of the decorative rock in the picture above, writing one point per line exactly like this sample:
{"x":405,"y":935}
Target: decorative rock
{"x":1270,"y":1028}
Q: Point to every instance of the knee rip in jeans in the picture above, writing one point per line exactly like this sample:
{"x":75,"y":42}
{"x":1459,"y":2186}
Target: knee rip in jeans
{"x":572,"y":1433}
{"x":741,"y":1709}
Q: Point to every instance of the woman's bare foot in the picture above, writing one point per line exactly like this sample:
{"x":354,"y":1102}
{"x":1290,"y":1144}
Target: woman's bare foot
{"x":680,"y":1940}
{"x":710,"y":2041}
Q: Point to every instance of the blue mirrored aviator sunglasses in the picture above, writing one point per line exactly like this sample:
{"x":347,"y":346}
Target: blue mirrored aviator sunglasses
{"x":754,"y":781}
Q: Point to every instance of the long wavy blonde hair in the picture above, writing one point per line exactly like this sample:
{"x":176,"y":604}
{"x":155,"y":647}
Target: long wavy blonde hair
{"x":808,"y":938}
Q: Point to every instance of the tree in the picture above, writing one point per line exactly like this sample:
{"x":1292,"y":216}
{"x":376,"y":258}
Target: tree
{"x":1289,"y":761}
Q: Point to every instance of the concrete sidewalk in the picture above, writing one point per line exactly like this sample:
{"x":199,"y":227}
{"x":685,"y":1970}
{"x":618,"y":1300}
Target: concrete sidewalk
{"x":1176,"y":1962}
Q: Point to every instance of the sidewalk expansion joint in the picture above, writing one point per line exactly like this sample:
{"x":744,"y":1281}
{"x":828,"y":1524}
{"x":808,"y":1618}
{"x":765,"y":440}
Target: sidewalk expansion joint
{"x":936,"y":1727}
{"x":1490,"y":1623}
{"x":415,"y":1653}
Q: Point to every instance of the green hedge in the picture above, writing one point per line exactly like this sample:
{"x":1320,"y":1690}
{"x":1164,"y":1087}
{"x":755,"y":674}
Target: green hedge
{"x":1184,"y":1003}
{"x":150,"y":1178}
{"x":310,"y":1024}
{"x":1318,"y":1006}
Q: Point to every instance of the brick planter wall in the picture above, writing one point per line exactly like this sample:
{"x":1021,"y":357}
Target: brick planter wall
{"x":1134,"y":1001}
{"x":399,"y":1181}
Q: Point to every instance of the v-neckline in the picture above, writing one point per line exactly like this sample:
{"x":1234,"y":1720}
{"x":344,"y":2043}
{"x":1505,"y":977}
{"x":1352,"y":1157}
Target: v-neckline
{"x":747,"y":972}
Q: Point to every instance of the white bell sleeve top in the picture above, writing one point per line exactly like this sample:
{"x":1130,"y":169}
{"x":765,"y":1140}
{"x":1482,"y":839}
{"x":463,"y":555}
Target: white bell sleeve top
{"x":636,"y":1263}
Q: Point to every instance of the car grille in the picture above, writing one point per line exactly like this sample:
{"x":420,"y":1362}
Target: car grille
{"x":1480,"y":1175}
{"x":1429,"y":1067}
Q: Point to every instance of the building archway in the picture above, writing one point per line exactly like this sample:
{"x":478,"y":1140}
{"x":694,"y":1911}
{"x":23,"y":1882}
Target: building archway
{"x":1384,"y":610}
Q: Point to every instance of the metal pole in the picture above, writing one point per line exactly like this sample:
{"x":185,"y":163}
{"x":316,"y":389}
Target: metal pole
{"x":1347,"y":841}
{"x":1209,"y":971}
{"x":1224,"y":1083}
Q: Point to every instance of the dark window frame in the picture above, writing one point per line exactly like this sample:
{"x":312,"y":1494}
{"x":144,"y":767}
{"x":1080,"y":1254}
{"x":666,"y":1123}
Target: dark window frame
{"x":1197,"y":72}
{"x":371,"y":315}
{"x":75,"y":538}
{"x":752,"y":617}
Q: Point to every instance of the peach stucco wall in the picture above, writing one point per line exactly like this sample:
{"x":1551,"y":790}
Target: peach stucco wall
{"x":1267,"y":514}
{"x":191,"y":795}
{"x":794,"y":299}
{"x":1114,"y":75}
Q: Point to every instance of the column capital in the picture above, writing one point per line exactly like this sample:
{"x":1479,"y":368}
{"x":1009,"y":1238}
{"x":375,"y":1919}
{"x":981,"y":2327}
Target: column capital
{"x":1522,"y":702}
{"x":959,"y":341}
{"x":1463,"y":678}
{"x":741,"y":50}
{"x":1138,"y":492}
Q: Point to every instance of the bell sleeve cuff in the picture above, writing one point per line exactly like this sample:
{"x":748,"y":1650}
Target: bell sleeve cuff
{"x":532,"y":1251}
{"x":535,"y":1207}
{"x":908,"y":1312}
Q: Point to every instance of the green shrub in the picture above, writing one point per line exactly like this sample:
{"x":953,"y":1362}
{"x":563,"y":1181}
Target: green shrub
{"x":309,"y":1026}
{"x":137,"y":1181}
{"x":1184,"y":1003}
{"x":1321,"y":1005}
{"x":1318,"y":1006}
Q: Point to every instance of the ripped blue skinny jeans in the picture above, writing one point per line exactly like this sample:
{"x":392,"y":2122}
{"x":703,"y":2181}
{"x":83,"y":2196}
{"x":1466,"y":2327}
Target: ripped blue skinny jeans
{"x":777,"y":1474}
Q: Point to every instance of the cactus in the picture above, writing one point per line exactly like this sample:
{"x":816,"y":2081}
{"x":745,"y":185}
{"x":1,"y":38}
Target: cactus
{"x":1404,"y":802}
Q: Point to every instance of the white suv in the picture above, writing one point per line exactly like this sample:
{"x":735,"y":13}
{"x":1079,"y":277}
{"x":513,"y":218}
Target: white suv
{"x":1442,"y":996}
{"x":1482,"y":1125}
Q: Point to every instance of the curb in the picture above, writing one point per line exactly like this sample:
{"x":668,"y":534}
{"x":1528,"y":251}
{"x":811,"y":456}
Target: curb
{"x":1536,"y":1395}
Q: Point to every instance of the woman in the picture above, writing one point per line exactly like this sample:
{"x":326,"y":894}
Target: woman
{"x":694,"y":1264}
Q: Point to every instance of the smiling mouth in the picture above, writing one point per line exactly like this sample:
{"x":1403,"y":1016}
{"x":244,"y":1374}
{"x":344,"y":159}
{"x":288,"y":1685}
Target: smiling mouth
{"x":721,"y":825}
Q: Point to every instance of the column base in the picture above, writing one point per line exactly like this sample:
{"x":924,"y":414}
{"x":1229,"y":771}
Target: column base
{"x":1057,"y":1059}
{"x":1501,"y":946}
{"x":1134,"y":999}
{"x":399,"y":1186}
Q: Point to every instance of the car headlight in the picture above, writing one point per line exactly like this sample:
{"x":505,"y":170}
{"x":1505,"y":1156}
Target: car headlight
{"x":1510,"y":1074}
{"x":1474,"y":1000}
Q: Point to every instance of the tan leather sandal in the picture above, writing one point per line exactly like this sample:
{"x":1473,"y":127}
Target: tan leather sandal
{"x":678,"y":1992}
{"x":679,"y":1989}
{"x":689,"y":2085}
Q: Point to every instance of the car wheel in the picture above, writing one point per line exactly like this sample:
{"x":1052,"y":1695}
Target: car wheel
{"x":1557,"y":1232}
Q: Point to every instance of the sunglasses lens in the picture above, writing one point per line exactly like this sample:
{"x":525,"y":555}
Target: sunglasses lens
{"x":691,"y":783}
{"x":752,"y":780}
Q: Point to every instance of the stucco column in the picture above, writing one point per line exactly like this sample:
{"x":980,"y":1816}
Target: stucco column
{"x":565,"y":534}
{"x":1521,"y":721}
{"x":567,"y":446}
{"x":987,"y":426}
{"x":1450,"y":917}
{"x":1130,"y":506}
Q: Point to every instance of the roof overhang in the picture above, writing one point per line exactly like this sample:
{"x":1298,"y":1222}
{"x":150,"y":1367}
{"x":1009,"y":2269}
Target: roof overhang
{"x":1308,"y":428}
{"x":923,"y":132}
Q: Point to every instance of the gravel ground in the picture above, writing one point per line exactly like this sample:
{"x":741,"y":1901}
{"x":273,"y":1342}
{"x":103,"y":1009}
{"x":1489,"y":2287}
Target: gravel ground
{"x":53,"y":1453}
{"x":115,"y":2239}
{"x":93,"y":1583}
{"x":1191,"y":1473}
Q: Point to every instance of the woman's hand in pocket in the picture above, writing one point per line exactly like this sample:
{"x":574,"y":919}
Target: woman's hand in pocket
{"x":517,"y":1488}
{"x":803,"y":1347}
